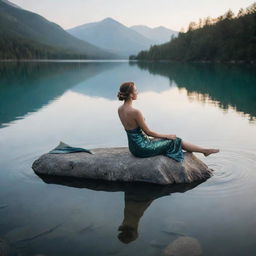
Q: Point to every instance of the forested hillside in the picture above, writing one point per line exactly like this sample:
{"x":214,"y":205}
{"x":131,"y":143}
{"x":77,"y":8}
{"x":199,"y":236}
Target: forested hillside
{"x":27,"y":35}
{"x":226,"y":38}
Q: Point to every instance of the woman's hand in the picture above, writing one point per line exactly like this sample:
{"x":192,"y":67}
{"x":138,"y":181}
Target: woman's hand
{"x":171,"y":136}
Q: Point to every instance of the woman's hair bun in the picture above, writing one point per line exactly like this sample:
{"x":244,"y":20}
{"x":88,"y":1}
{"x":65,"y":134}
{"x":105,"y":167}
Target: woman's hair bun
{"x":125,"y":90}
{"x":122,"y":95}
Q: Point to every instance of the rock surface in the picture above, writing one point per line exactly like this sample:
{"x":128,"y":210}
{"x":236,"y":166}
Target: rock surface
{"x":183,"y":246}
{"x":118,"y":164}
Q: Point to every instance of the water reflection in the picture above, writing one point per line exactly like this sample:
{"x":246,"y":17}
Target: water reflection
{"x":138,"y":197}
{"x":106,"y":84}
{"x":227,"y":85}
{"x":27,"y":86}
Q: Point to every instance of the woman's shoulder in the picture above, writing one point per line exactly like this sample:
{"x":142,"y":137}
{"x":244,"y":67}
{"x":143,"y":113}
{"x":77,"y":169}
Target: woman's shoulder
{"x":128,"y":109}
{"x":137,"y":112}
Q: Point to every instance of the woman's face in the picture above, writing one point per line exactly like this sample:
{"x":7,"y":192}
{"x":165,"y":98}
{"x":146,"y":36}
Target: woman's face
{"x":134,"y":93}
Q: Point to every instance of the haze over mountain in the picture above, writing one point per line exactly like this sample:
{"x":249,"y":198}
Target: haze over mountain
{"x":158,"y":35}
{"x":112,"y":35}
{"x":24,"y":34}
{"x":12,"y":4}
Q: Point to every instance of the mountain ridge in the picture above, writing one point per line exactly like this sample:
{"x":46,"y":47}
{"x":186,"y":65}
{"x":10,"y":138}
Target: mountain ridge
{"x":159,"y":34}
{"x":112,"y":35}
{"x":34,"y":32}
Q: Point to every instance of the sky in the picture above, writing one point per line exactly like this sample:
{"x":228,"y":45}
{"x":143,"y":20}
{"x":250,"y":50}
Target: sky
{"x":173,"y":14}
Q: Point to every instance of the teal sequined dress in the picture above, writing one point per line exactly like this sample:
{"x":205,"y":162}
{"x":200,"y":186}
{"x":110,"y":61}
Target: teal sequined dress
{"x":141,"y":145}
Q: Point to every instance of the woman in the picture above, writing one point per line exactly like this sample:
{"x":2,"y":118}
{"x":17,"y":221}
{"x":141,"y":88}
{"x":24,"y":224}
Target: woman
{"x":140,"y":144}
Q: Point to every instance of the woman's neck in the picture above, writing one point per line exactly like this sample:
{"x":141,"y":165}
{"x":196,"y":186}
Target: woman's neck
{"x":128,"y":102}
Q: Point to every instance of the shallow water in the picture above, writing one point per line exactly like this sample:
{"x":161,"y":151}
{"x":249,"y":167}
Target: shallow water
{"x":205,"y":104}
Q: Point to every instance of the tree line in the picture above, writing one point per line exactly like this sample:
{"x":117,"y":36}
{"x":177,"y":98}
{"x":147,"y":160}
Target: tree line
{"x":20,"y":48}
{"x":228,"y":37}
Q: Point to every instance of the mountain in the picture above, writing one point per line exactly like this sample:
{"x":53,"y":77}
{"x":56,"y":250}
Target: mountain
{"x":25,"y":34}
{"x":11,"y":4}
{"x":112,"y":35}
{"x":158,"y":35}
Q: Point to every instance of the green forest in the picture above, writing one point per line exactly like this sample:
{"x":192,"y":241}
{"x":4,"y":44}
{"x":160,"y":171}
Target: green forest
{"x":229,"y":37}
{"x":20,"y":48}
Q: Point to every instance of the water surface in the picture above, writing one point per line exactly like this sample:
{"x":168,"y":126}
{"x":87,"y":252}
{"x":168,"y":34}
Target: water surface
{"x":212,"y":105}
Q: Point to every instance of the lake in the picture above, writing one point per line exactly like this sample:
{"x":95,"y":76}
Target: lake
{"x":211,"y":105}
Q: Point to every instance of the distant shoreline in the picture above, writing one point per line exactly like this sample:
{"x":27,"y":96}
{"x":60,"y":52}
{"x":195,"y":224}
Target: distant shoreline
{"x":201,"y":61}
{"x":63,"y":60}
{"x":252,"y":62}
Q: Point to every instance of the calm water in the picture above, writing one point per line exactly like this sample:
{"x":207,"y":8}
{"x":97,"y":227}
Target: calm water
{"x":209,"y":105}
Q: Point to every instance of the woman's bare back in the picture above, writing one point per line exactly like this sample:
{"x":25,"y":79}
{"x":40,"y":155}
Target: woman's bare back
{"x":127,"y":117}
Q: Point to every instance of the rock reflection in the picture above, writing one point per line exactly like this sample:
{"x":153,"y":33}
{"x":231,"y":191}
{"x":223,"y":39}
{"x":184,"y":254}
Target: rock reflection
{"x":138,"y":197}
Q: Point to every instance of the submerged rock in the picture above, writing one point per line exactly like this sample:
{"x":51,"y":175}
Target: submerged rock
{"x":118,"y":164}
{"x":4,"y":248}
{"x":28,"y":233}
{"x":183,"y":246}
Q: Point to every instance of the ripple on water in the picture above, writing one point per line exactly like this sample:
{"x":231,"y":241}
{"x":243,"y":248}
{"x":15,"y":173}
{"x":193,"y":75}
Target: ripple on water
{"x":234,"y":173}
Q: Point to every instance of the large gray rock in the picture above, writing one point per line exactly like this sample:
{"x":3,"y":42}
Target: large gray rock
{"x":118,"y":164}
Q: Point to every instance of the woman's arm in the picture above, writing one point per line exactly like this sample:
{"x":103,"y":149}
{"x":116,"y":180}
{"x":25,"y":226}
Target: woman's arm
{"x":141,"y":123}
